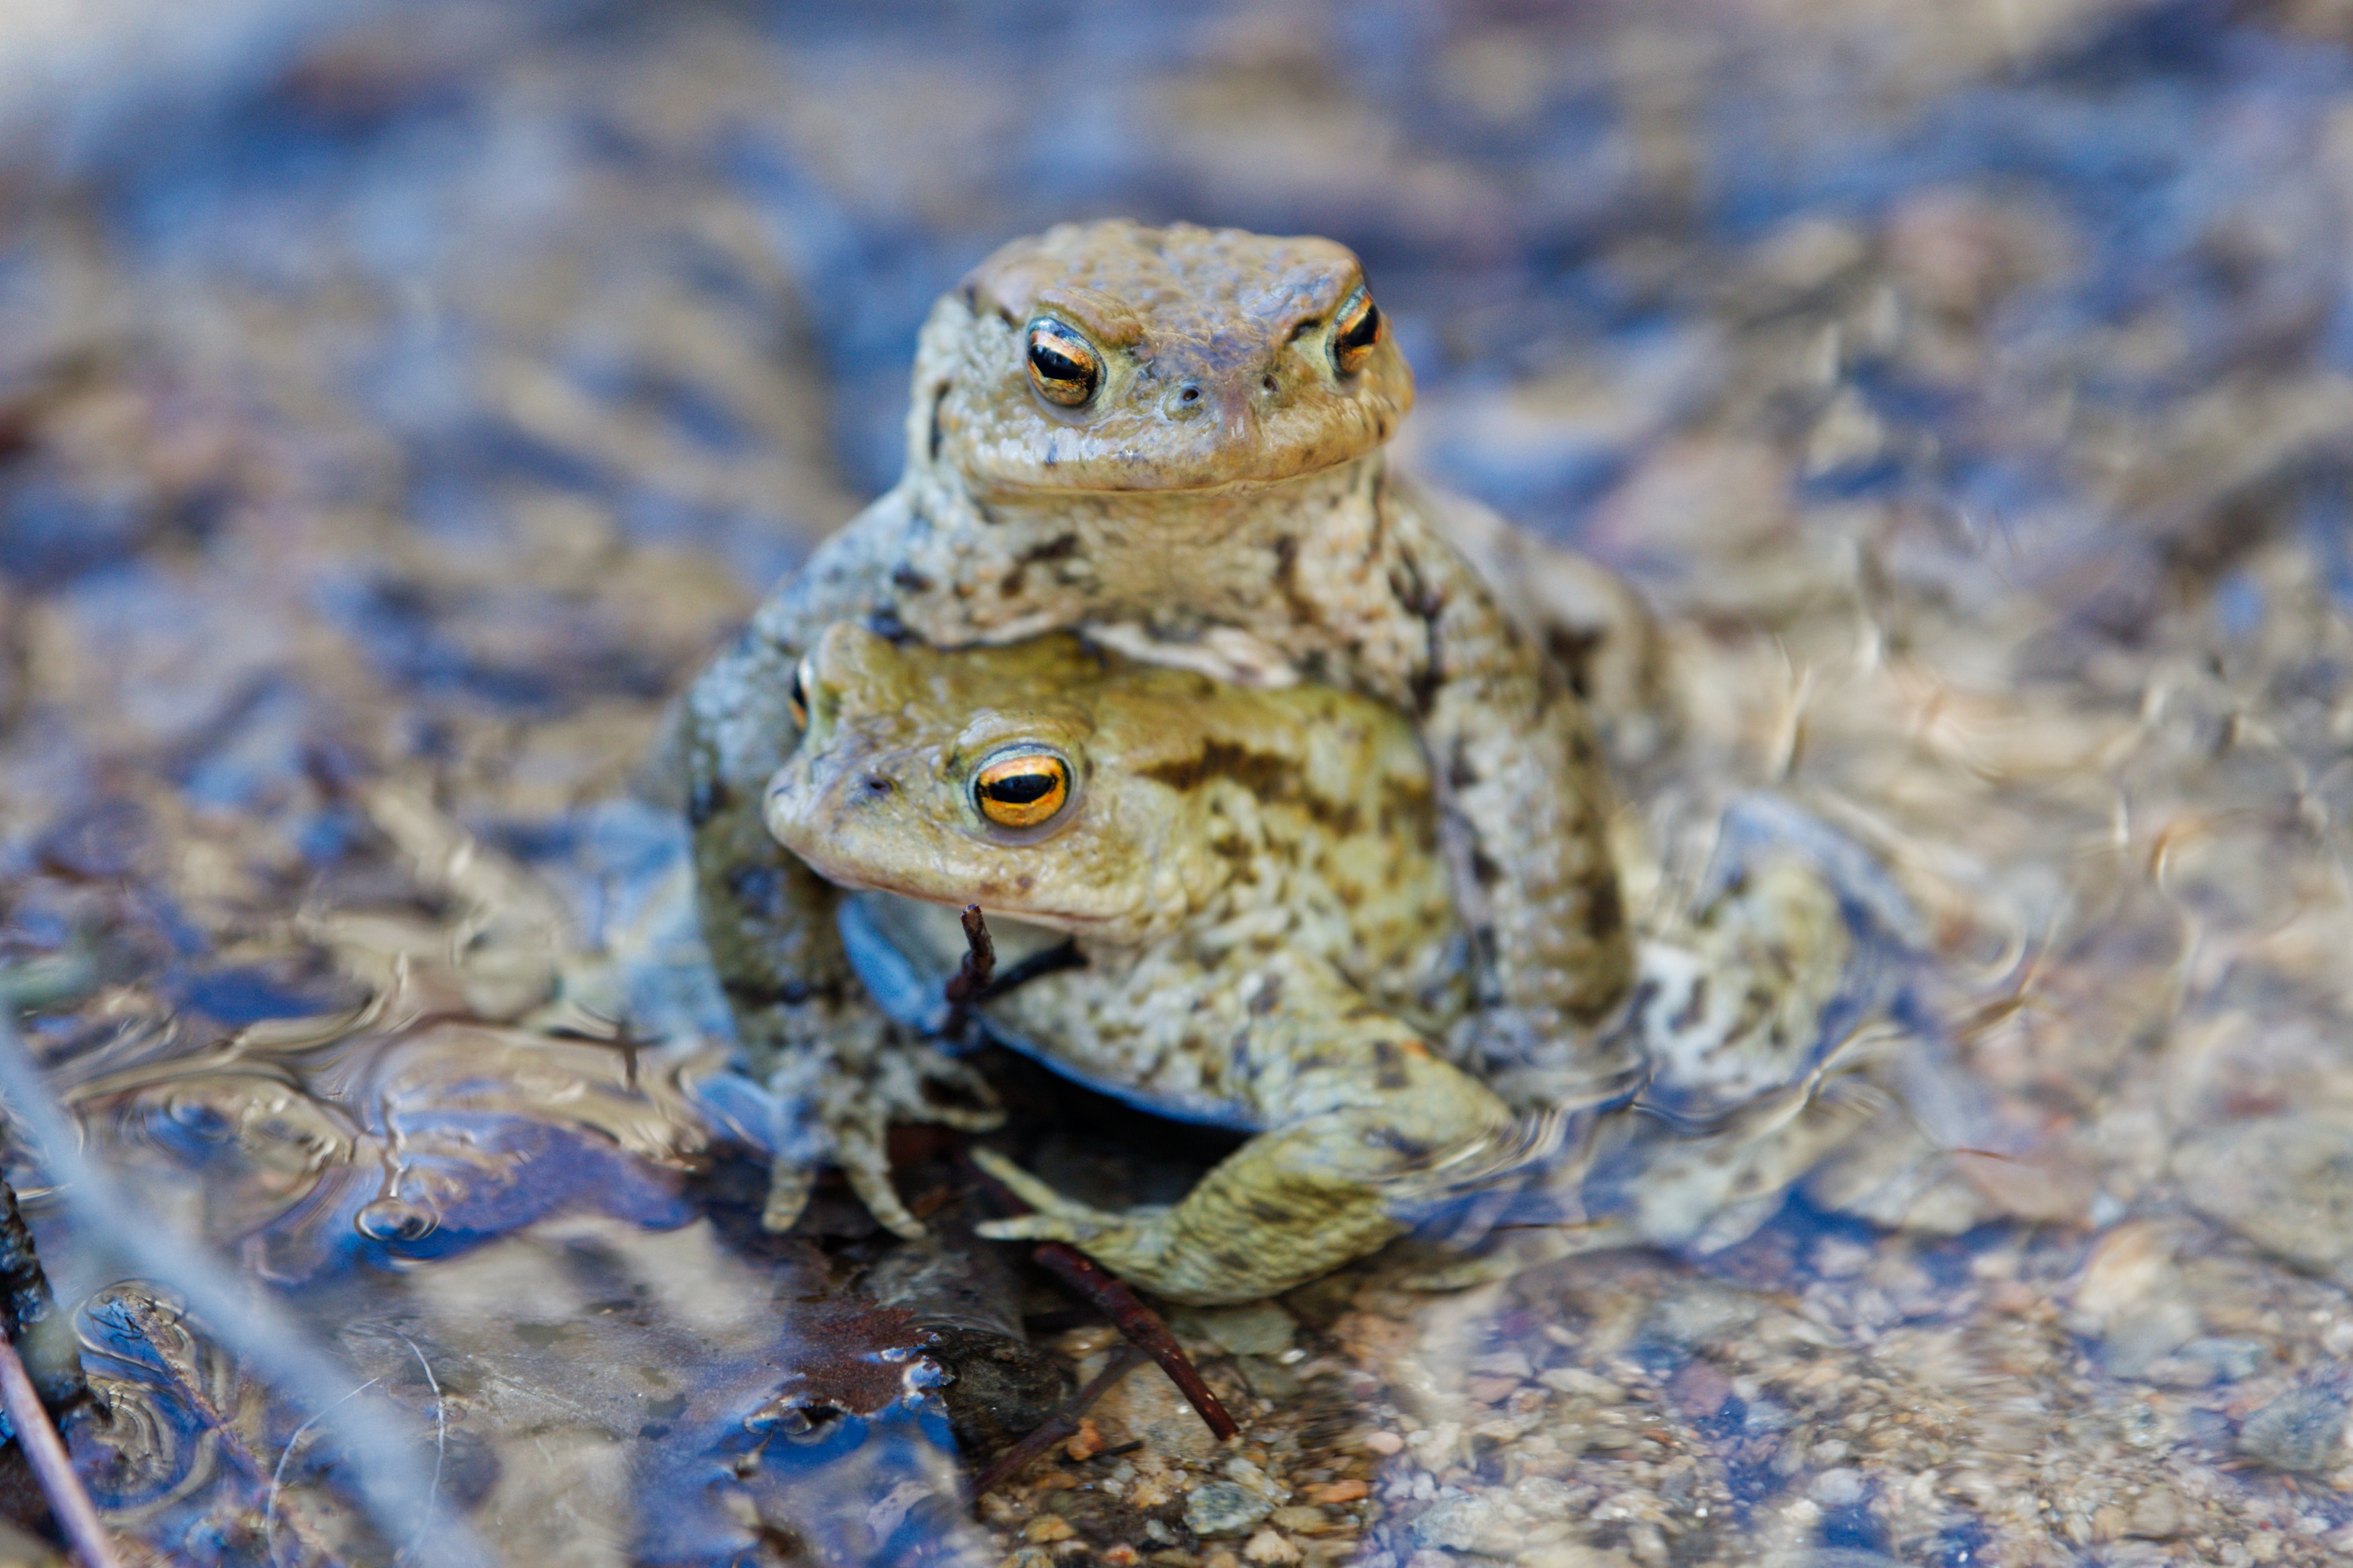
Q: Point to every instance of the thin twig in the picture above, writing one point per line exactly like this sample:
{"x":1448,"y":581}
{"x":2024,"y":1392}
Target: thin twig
{"x":76,"y":1514}
{"x":440,"y":1445}
{"x":278,"y":1474}
{"x":1118,"y":1301}
{"x":972,"y":975}
{"x":1140,"y":1323}
{"x":26,"y":1304}
{"x":265,"y":1339}
{"x":1063,"y":1422}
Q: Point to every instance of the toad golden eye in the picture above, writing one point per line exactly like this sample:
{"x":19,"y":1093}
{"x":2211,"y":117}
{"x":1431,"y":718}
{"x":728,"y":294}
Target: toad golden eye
{"x":796,"y":695}
{"x":1064,"y":366}
{"x":1355,"y":329}
{"x":1022,"y":790}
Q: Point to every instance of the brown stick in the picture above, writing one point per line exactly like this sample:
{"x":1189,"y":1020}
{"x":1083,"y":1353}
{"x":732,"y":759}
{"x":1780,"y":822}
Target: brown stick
{"x":26,"y":1302}
{"x":1120,"y":1304}
{"x":1063,"y":1422}
{"x":1140,"y":1324}
{"x":974,"y":972}
{"x":76,"y":1514}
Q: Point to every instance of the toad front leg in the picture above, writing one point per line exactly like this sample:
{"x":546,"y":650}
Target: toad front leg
{"x":843,"y":1072}
{"x":1373,"y":1117}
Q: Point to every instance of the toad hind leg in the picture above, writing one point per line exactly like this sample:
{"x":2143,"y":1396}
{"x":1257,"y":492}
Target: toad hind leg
{"x":1291,"y":1202}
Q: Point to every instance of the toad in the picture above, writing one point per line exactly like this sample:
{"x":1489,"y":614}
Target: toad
{"x":1260,"y":926}
{"x":1228,"y":906}
{"x":1171,"y":441}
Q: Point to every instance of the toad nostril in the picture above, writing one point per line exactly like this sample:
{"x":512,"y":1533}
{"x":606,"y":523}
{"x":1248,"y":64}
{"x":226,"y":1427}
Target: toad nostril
{"x":877,"y":785}
{"x":1191,"y":395}
{"x":1268,"y":383}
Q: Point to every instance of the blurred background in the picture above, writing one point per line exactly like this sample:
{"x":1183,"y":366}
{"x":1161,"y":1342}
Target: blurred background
{"x":417,"y":392}
{"x":465,"y":295}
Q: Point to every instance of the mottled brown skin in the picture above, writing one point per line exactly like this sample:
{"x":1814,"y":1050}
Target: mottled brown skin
{"x":1252,"y":530}
{"x":1252,"y":879}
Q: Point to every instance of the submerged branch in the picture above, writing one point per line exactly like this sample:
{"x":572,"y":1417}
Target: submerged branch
{"x":76,"y":1515}
{"x":28,"y":1315}
{"x":1141,"y":1327}
{"x":1063,"y":1422}
{"x":243,"y":1319}
{"x":29,"y":1308}
{"x":1140,"y":1324}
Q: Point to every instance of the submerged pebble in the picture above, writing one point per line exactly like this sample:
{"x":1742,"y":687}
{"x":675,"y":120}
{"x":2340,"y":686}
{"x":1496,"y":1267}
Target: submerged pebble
{"x":2285,"y":1183}
{"x":2302,"y":1430}
{"x":1222,"y":1508}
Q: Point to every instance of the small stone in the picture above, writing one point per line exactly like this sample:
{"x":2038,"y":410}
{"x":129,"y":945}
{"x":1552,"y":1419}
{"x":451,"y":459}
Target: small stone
{"x":2231,"y":1359}
{"x":1699,"y":1390}
{"x":1144,"y":1405}
{"x":1332,"y":1492}
{"x":1122,"y":1555}
{"x":1267,"y":1546}
{"x":2285,"y":1183}
{"x":2129,"y":1265}
{"x":1582,"y":1384}
{"x":1700,"y":1313}
{"x":2302,"y":1431}
{"x":2209,"y":1361}
{"x":1047,"y":1526}
{"x":2136,"y":1339}
{"x":2156,"y":1517}
{"x":1435,"y":1447}
{"x":1269,"y":1378}
{"x":1221,"y":1508}
{"x":1383,"y":1443}
{"x":1247,"y":1472}
{"x":1564,"y":1554}
{"x":1460,"y":1521}
{"x":1087,"y":1442}
{"x":1255,"y":1328}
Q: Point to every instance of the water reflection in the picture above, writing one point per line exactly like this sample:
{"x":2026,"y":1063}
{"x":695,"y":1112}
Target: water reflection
{"x":396,"y":405}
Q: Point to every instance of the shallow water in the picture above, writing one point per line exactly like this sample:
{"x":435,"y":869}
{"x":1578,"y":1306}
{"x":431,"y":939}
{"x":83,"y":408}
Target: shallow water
{"x":397,"y":405}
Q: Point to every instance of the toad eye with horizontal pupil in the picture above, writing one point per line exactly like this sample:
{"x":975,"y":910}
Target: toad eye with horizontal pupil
{"x":1064,"y":366}
{"x":1355,"y":329}
{"x":1022,"y":791}
{"x":796,"y":695}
